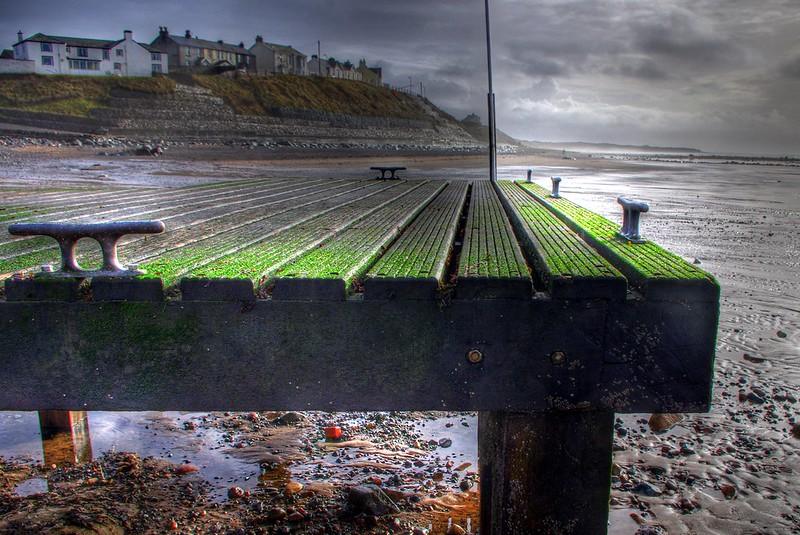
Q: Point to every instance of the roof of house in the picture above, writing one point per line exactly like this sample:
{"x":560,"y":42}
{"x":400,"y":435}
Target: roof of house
{"x":279,"y":48}
{"x":7,"y":54}
{"x":72,"y":41}
{"x":213,"y":45}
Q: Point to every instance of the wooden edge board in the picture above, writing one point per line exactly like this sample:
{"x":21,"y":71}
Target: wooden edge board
{"x":595,"y":278}
{"x":491,"y":264}
{"x":414,"y":266}
{"x":659,"y":274}
{"x":335,"y":288}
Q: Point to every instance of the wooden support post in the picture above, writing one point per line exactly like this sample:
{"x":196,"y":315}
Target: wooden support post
{"x":545,"y":472}
{"x":65,"y":437}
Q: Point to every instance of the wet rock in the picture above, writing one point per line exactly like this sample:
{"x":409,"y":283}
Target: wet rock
{"x":419,"y":531}
{"x":796,"y":431}
{"x":466,"y":484}
{"x":186,"y":469}
{"x":277,"y":513}
{"x":687,"y":505}
{"x":661,"y":422}
{"x":234,"y":493}
{"x":455,"y":529}
{"x":296,"y":516}
{"x":751,"y":358}
{"x":445,"y":443}
{"x":370,"y":500}
{"x":781,"y":334}
{"x":290,"y":418}
{"x":729,"y":491}
{"x":646,"y":489}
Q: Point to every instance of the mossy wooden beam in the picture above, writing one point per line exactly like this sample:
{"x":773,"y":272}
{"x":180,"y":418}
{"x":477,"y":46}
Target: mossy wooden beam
{"x":414,"y":266}
{"x":491,"y":264}
{"x":656,"y":272}
{"x":213,"y":242}
{"x":328,"y":271}
{"x":184,"y":226}
{"x":566,"y":265}
{"x":233,"y":277}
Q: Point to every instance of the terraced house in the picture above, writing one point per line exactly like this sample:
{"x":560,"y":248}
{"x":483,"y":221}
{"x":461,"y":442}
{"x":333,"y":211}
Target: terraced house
{"x":272,"y":58}
{"x":54,"y":54}
{"x":190,"y":53}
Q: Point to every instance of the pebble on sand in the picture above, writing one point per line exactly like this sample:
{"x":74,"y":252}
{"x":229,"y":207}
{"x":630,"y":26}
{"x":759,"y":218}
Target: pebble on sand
{"x":660,"y":422}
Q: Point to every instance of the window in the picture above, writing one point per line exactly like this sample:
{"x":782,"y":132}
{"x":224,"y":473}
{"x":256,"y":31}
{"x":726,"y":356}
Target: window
{"x":156,"y":67}
{"x":83,"y":52}
{"x":84,"y":64}
{"x":155,"y":56}
{"x":47,"y":60}
{"x":118,"y":66}
{"x":46,"y":47}
{"x":106,"y":54}
{"x":120,"y":52}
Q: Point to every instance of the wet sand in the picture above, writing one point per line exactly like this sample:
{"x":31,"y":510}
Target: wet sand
{"x":733,"y":470}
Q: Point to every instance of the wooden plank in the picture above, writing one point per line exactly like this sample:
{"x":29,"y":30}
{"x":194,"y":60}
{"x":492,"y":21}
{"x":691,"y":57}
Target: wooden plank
{"x":235,"y":275}
{"x":567,"y":266}
{"x":545,"y":472}
{"x":328,"y":271}
{"x":186,"y":227}
{"x":656,"y":272}
{"x":213,"y":242}
{"x":276,"y":354}
{"x":491,"y":264}
{"x":414,"y":266}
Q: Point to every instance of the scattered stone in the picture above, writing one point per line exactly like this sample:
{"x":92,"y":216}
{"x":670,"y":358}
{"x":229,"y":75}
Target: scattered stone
{"x":445,"y":443}
{"x":751,"y":358}
{"x":455,"y":529}
{"x":370,"y":500}
{"x":646,"y":489}
{"x":290,"y":418}
{"x":186,"y":469}
{"x":234,"y":493}
{"x":796,"y":431}
{"x":729,"y":491}
{"x":277,"y":513}
{"x":661,"y":422}
{"x":781,"y":334}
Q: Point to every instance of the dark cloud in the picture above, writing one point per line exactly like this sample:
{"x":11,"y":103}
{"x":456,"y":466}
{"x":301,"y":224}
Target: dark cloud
{"x":721,"y":74}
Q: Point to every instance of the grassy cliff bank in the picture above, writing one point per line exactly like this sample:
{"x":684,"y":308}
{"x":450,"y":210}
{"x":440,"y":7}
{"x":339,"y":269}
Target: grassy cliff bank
{"x":72,"y":95}
{"x":257,"y":95}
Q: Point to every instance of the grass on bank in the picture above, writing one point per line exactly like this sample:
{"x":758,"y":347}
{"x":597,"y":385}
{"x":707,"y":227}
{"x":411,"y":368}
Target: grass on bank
{"x":73,"y":95}
{"x":258,"y":95}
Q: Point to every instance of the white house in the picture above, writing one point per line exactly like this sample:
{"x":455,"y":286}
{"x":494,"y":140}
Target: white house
{"x":272,"y":58}
{"x":333,"y":69}
{"x":52,"y":54}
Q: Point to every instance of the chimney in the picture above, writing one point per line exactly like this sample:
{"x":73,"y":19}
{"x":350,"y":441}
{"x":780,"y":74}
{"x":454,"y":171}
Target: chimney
{"x":162,"y":31}
{"x":241,"y":44}
{"x":128,"y":35}
{"x":188,"y":34}
{"x":19,"y":36}
{"x":259,"y":39}
{"x":220,"y":41}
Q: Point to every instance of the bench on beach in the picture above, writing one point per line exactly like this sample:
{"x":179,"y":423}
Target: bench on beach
{"x":500,"y":298}
{"x":384,"y":170}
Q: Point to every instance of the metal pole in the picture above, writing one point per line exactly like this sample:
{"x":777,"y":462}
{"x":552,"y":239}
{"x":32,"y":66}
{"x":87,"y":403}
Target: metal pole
{"x":490,"y":99}
{"x":319,"y":59}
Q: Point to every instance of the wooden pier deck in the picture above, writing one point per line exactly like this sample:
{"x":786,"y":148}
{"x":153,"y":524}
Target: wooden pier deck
{"x":370,"y":295}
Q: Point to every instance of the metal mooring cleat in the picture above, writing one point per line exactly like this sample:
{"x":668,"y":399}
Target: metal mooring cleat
{"x":631,"y":210}
{"x":106,"y":234}
{"x":556,"y":181}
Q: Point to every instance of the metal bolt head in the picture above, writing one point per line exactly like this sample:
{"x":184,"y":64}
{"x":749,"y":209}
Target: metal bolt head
{"x":474,"y":356}
{"x":558,"y":357}
{"x":46,"y":268}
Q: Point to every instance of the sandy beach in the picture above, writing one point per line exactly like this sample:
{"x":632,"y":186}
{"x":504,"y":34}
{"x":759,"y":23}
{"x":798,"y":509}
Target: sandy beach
{"x":733,"y":470}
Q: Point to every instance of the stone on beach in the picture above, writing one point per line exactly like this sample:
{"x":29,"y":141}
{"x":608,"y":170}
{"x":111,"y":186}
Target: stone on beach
{"x":661,"y":422}
{"x":371,"y":500}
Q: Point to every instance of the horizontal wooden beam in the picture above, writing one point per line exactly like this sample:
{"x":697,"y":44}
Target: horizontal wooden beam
{"x":532,"y":355}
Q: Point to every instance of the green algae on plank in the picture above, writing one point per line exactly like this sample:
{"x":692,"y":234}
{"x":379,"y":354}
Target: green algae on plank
{"x":566,"y":265}
{"x":351,"y":253}
{"x":259,"y":261}
{"x":423,"y":248}
{"x":638,"y":261}
{"x":490,"y":248}
{"x":173,"y":264}
{"x":138,"y":248}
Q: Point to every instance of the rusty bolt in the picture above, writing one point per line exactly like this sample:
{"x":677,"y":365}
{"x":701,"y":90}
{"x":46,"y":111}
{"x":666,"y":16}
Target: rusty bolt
{"x":558,"y":357}
{"x":474,"y":356}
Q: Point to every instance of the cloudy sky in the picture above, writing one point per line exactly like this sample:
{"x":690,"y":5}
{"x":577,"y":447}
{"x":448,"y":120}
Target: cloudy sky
{"x":719,"y":75}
